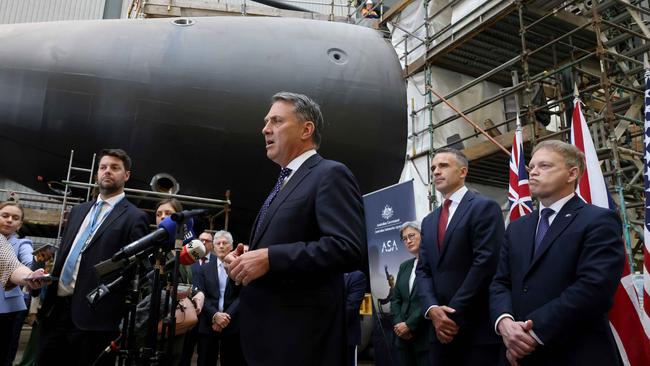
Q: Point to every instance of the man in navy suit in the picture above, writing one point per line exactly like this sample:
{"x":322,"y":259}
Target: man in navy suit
{"x":558,"y":270}
{"x":72,"y":332}
{"x":310,"y":230}
{"x":228,"y":322}
{"x":458,"y":257}
{"x":219,"y":313}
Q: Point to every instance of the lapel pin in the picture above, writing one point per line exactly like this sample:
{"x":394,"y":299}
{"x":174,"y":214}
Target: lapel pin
{"x":567,"y":215}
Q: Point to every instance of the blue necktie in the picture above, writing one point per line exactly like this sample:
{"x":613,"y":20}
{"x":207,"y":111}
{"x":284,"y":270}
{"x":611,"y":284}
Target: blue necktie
{"x":543,"y":226}
{"x":284,"y":173}
{"x":71,"y":261}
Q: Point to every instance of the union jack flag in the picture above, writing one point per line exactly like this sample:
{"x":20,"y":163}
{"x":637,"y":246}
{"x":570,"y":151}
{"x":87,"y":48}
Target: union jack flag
{"x":518,"y":191}
{"x":626,"y":318}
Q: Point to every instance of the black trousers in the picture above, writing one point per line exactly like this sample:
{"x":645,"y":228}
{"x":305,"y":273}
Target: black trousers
{"x":62,"y":343}
{"x":231,"y":353}
{"x":10,"y":326}
{"x":208,"y":349}
{"x":463,"y":354}
{"x":189,"y":346}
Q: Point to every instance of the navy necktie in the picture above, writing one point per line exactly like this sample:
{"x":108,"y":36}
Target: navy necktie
{"x":543,"y":226}
{"x":284,"y":173}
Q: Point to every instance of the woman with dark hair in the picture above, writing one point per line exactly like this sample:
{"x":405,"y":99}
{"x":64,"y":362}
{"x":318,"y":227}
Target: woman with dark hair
{"x":166,"y":208}
{"x":182,"y":343}
{"x":13,"y":309}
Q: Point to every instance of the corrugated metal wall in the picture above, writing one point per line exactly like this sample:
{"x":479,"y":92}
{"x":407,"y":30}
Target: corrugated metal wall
{"x":26,"y":11}
{"x":319,"y":6}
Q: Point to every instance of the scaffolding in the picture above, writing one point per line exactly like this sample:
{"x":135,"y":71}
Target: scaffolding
{"x":535,"y":52}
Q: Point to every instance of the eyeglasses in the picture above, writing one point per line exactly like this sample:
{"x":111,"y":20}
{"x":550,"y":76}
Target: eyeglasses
{"x":408,"y":237}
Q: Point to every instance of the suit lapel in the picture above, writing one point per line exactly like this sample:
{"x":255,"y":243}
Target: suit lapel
{"x":285,"y":192}
{"x":73,"y":228}
{"x":528,"y":236}
{"x":213,"y":271}
{"x":562,"y":220}
{"x":460,"y":212}
{"x":433,"y":229}
{"x":408,"y":269}
{"x":117,"y":211}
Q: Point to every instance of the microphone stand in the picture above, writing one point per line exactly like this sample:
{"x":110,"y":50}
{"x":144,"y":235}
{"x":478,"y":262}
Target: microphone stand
{"x":148,"y":354}
{"x":170,"y":323}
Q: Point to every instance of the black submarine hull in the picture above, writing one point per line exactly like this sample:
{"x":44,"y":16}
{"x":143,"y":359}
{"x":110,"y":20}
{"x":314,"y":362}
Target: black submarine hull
{"x":190,"y":99}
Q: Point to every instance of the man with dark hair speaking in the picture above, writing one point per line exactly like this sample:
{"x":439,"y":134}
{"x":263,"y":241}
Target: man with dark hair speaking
{"x":73,"y":333}
{"x":309,"y":231}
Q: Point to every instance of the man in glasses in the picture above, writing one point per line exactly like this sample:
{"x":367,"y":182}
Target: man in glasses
{"x":458,"y":257}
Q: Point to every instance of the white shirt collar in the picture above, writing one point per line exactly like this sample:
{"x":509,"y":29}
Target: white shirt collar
{"x":557,"y":205}
{"x":113,"y":200}
{"x":295,"y":164}
{"x":457,"y":196}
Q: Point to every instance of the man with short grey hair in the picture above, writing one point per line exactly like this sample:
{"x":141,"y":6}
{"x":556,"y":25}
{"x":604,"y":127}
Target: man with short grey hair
{"x":309,"y":231}
{"x":216,"y":341}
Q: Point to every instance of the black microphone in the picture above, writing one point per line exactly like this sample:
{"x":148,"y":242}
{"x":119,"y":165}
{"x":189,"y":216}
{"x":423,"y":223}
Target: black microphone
{"x":166,"y":233}
{"x":188,"y":214}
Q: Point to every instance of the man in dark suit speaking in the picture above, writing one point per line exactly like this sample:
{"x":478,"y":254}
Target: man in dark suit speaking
{"x":558,"y":270}
{"x":73,"y":333}
{"x":309,"y":231}
{"x":458,"y":257}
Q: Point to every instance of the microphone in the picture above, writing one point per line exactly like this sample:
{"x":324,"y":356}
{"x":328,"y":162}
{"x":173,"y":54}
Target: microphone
{"x":165,"y":234}
{"x":188,"y":214}
{"x":192,"y":252}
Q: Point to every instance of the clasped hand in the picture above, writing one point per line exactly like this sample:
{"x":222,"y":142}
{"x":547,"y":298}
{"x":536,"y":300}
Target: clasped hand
{"x":446,"y":329}
{"x":517,"y":339}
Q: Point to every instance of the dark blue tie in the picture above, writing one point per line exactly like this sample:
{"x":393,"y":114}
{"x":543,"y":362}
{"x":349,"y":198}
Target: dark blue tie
{"x":284,"y":173}
{"x":542,"y":228}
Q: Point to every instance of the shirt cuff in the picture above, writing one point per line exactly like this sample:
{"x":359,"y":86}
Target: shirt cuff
{"x":535,"y":337}
{"x":426,"y":313}
{"x":496,"y":323}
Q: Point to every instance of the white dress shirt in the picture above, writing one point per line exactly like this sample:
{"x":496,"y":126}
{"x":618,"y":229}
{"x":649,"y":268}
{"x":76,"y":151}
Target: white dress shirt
{"x":455,"y":198}
{"x":63,"y":290}
{"x":412,"y":276}
{"x":223,"y":278}
{"x":207,"y":259}
{"x":297,"y":162}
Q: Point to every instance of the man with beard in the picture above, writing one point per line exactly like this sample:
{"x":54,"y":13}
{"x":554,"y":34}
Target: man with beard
{"x":73,"y":333}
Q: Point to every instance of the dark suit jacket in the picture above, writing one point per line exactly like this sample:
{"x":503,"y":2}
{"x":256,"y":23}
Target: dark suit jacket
{"x":405,"y":307}
{"x":460,"y":274}
{"x":566,"y":288}
{"x":355,"y":290}
{"x":124,"y":224}
{"x":314,"y":231}
{"x":207,"y":281}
